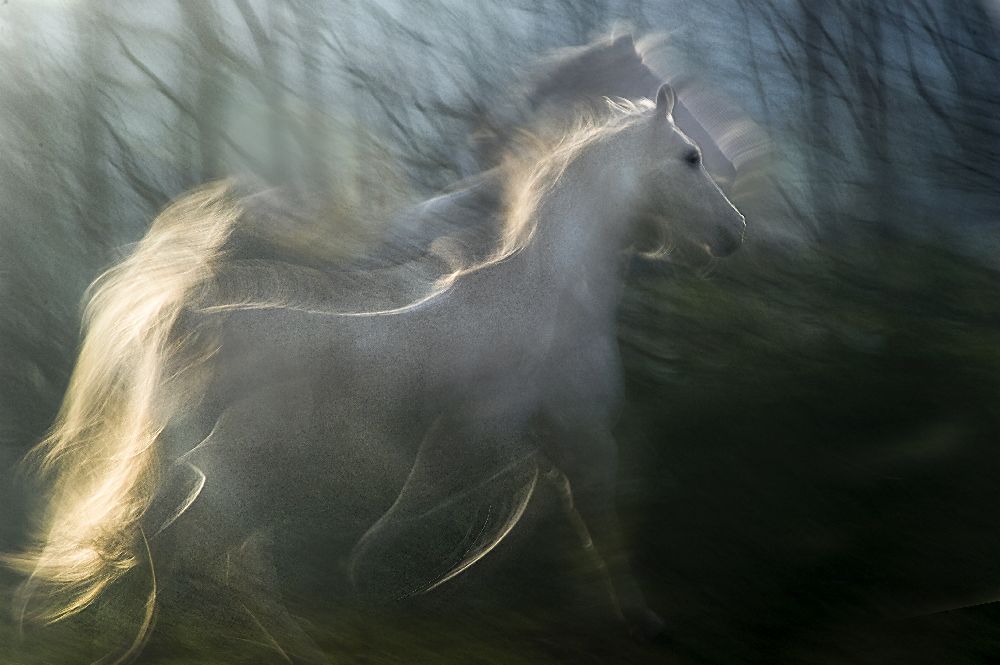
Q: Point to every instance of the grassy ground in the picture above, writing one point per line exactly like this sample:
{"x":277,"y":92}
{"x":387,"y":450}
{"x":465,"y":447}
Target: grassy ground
{"x":809,"y":464}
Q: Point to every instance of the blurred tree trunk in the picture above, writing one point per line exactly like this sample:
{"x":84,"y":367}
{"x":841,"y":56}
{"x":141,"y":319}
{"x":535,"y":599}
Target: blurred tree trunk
{"x":272,"y":58}
{"x":93,"y":200}
{"x":278,"y":168}
{"x":200,"y":18}
{"x":870,"y":79}
{"x":310,"y":25}
{"x":817,"y":116}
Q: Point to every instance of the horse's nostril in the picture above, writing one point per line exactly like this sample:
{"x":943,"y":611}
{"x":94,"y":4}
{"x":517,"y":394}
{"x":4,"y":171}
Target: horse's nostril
{"x":726,"y":241}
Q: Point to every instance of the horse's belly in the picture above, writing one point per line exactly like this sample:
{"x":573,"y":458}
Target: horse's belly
{"x":290,"y":451}
{"x":321,"y":417}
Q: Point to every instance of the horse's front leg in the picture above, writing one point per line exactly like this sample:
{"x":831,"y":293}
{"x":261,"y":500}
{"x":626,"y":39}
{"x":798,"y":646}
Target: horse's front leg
{"x":585,"y":475}
{"x":469,"y":484}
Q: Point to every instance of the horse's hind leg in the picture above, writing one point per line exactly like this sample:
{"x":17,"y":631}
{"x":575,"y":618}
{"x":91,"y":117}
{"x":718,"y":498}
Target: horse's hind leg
{"x":221,"y":533}
{"x":216,"y":562}
{"x":252,"y":575}
{"x":585,"y":476}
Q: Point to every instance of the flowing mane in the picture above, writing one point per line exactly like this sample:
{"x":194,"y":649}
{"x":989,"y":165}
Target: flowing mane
{"x":538,"y":161}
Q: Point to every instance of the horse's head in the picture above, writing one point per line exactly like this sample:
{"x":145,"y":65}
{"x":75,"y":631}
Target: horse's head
{"x":678,"y":195}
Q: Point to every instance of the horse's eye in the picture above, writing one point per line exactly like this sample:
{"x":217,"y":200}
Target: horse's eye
{"x":693,"y":157}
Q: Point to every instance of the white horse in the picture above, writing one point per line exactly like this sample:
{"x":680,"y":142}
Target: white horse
{"x":218,"y":393}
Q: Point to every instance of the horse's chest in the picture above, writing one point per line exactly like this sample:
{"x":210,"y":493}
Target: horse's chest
{"x":582,"y":379}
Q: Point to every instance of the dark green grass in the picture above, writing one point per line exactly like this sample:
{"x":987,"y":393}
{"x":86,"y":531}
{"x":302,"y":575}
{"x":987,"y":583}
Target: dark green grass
{"x":809,"y":465}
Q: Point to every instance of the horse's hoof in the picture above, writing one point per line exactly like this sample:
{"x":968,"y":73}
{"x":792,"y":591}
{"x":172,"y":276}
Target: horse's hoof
{"x":646,"y":625}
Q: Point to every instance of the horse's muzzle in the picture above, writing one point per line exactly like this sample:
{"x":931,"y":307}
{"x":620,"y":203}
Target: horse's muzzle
{"x":726,"y":241}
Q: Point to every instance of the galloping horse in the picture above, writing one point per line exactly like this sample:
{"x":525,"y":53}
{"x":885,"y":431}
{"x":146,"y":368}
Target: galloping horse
{"x":217,"y":392}
{"x":563,"y":83}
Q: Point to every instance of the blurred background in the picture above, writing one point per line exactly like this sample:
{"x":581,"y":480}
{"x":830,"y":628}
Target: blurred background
{"x":810,"y":444}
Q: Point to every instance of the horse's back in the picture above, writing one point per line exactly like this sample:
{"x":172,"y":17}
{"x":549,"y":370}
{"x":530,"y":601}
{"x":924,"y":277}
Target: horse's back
{"x":313,"y":413}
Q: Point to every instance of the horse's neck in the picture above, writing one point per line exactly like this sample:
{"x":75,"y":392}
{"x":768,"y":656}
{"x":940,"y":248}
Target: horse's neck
{"x":580,"y":242}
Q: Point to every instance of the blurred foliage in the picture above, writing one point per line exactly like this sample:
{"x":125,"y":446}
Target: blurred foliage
{"x":797,"y":426}
{"x":809,"y":445}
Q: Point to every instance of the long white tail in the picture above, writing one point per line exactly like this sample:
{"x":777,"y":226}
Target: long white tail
{"x":101,"y":454}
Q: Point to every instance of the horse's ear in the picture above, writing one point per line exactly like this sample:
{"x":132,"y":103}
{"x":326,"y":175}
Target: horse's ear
{"x":665,"y":99}
{"x":624,"y":41}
